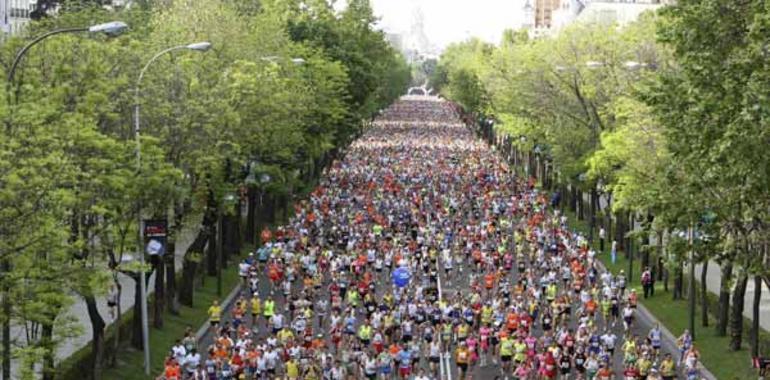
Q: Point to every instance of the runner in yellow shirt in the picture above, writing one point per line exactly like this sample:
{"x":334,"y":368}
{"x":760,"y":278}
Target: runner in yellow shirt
{"x":215,"y":315}
{"x":256,"y":308}
{"x":285,"y":335}
{"x":668,"y":368}
{"x":462,"y":357}
{"x":268,"y":310}
{"x":520,"y":352}
{"x":292,"y":369}
{"x":506,"y":351}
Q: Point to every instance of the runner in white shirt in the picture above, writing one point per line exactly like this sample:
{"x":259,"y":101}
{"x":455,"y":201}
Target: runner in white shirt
{"x":609,"y":340}
{"x":179,"y":352}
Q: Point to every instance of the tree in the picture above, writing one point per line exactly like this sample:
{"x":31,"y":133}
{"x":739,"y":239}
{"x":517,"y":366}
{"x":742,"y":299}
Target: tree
{"x":461,"y":65}
{"x":68,"y":184}
{"x":712,"y":128}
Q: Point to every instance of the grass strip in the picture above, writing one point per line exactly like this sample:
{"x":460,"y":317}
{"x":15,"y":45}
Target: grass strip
{"x":715,"y":354}
{"x":130,"y":361}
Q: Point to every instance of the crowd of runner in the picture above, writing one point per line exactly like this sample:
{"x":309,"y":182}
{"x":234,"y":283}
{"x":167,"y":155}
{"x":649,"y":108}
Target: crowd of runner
{"x":490,"y":283}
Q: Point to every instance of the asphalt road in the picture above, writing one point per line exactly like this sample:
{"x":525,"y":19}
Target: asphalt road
{"x":460,"y":282}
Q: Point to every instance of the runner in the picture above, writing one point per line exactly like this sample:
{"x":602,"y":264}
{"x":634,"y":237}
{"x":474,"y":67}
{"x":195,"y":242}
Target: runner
{"x":406,"y":251}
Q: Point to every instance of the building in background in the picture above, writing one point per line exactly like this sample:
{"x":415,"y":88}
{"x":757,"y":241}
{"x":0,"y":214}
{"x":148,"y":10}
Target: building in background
{"x":544,"y":13}
{"x":14,"y":15}
{"x":529,"y":16}
{"x":616,"y":11}
{"x":414,"y":44}
{"x":566,"y":13}
{"x":396,"y":40}
{"x":550,"y":16}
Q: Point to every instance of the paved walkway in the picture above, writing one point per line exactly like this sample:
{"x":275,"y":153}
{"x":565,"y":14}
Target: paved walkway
{"x":79,"y":311}
{"x":713,"y":282}
{"x":435,"y":164}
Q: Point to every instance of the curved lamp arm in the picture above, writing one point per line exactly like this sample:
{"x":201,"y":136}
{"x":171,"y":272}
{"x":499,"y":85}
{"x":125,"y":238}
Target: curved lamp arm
{"x":34,"y":42}
{"x":111,"y":28}
{"x":198,"y":46}
{"x":149,"y":63}
{"x":137,"y":96}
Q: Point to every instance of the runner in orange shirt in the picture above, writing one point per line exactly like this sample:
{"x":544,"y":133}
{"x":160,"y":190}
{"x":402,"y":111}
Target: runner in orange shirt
{"x":172,"y":370}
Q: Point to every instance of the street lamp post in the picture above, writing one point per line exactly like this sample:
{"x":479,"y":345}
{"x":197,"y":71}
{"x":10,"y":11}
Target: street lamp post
{"x":218,"y":247}
{"x":227,"y":201}
{"x":691,"y":289}
{"x":201,"y":47}
{"x":110,"y":28}
{"x":264,"y":180}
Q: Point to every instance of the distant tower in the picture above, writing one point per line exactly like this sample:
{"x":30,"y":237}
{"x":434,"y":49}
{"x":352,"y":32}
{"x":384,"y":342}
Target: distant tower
{"x":529,"y":16}
{"x":419,"y":40}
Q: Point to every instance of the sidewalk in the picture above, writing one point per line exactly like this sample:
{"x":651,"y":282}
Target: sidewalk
{"x":79,"y":311}
{"x":713,"y":282}
{"x":647,"y":319}
{"x":713,"y":275}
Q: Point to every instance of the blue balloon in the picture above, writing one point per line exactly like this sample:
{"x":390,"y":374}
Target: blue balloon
{"x":401,"y":277}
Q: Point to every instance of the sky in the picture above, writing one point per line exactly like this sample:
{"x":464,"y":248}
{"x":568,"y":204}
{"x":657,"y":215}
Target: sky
{"x":449,"y":21}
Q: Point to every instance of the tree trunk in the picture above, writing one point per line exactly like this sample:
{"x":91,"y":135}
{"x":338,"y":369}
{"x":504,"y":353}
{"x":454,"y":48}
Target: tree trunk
{"x":172,"y":302}
{"x":573,"y":199}
{"x":315,"y":168}
{"x":755,"y":316}
{"x":608,"y":219}
{"x":541,"y":172}
{"x":620,"y":232}
{"x":238,"y":230}
{"x":704,"y":294}
{"x":663,"y":273}
{"x":211,"y":253}
{"x":644,"y":247}
{"x":97,"y":329}
{"x":565,"y":198}
{"x":232,"y":235}
{"x":112,"y":356}
{"x":531,"y":164}
{"x":678,"y":292}
{"x":723,"y":314}
{"x":158,"y":304}
{"x":172,"y":296}
{"x":269,"y":208}
{"x":630,"y":248}
{"x":285,"y":205}
{"x":566,"y":194}
{"x":691,"y":296}
{"x":277,"y":209}
{"x":6,"y":322}
{"x":259,"y":211}
{"x":592,"y":213}
{"x":646,"y":259}
{"x":581,"y":206}
{"x":227,"y":238}
{"x":136,"y":323}
{"x":629,"y":218}
{"x":187,"y":289}
{"x":251,"y":231}
{"x":661,"y":268}
{"x":189,"y":267}
{"x":736,"y":315}
{"x":49,"y":364}
{"x":209,"y":225}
